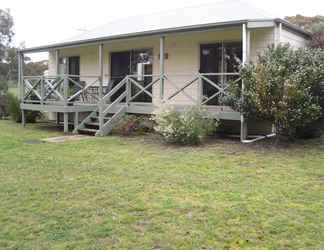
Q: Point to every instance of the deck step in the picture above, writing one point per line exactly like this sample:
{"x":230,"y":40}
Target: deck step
{"x":92,"y":124}
{"x":88,"y":131}
{"x":97,"y":117}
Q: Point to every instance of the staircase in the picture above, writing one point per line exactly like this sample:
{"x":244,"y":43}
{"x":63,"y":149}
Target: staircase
{"x":91,"y":125}
{"x":101,"y":121}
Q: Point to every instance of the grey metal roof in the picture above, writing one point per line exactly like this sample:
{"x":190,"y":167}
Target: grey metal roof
{"x":228,"y":12}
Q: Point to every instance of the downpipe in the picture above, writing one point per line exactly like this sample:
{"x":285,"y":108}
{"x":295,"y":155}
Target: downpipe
{"x":259,"y":138}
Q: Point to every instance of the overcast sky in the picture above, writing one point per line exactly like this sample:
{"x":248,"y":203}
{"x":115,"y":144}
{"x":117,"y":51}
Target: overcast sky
{"x":39,"y":22}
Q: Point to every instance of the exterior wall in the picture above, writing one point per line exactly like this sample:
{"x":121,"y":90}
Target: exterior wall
{"x":183,"y":51}
{"x":182,"y":64}
{"x":260,"y":40}
{"x":295,"y":40}
{"x":51,"y":63}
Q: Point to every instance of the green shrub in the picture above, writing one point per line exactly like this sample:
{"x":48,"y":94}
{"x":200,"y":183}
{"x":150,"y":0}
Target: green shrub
{"x":190,"y":126}
{"x":132,"y":124}
{"x":285,"y":87}
{"x":15,"y":112}
{"x":3,"y":87}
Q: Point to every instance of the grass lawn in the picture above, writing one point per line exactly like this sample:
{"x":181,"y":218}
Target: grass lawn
{"x":136,"y":193}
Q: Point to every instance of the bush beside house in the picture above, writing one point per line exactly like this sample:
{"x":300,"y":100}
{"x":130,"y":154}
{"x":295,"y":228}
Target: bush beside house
{"x":188,"y":127}
{"x":285,"y":87}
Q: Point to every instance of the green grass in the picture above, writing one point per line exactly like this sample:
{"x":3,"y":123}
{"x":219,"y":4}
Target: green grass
{"x":136,"y":193}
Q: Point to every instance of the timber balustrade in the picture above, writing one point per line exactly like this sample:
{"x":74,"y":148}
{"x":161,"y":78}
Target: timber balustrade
{"x":200,"y":88}
{"x":60,"y":90}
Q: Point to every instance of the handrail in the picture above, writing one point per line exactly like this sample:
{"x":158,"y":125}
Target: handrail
{"x":118,"y":100}
{"x":44,"y":87}
{"x":114,"y":90}
{"x":62,"y":75}
{"x":82,"y":90}
{"x":144,"y":89}
{"x":50,"y":85}
{"x":183,"y":88}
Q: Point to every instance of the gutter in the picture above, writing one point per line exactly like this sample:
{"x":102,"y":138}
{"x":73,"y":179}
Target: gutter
{"x":200,"y":27}
{"x":133,"y":35}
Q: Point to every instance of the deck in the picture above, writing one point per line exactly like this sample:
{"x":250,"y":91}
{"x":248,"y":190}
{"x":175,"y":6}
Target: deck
{"x":86,"y":94}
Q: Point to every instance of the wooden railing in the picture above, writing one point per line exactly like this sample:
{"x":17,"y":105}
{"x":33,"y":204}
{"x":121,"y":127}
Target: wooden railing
{"x":200,"y":88}
{"x":65,"y":89}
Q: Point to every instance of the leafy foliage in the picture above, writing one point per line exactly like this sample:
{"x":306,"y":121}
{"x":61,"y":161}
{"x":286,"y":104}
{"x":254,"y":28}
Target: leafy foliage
{"x":3,"y":106}
{"x":3,"y":87}
{"x":15,"y":111}
{"x":285,"y":87}
{"x":187,"y":127}
{"x":315,"y":25}
{"x":6,"y":32}
{"x":305,"y":22}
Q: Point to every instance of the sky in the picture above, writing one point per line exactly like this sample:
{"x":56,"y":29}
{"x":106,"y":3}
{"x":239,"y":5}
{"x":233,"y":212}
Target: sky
{"x":40,"y":22}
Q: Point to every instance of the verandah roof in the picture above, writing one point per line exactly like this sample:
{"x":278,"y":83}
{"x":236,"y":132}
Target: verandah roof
{"x":228,"y":12}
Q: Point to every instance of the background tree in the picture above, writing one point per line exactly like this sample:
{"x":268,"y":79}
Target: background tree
{"x":314,"y":24}
{"x":6,"y":32}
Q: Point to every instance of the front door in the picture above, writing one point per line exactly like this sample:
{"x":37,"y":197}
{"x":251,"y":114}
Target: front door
{"x":74,"y":65}
{"x":120,"y":68}
{"x":126,"y":63}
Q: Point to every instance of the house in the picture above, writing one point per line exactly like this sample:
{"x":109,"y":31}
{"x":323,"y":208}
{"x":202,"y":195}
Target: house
{"x":182,"y":57}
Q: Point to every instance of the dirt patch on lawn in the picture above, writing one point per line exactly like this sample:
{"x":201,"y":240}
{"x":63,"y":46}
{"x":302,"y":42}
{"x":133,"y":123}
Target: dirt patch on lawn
{"x":65,"y":138}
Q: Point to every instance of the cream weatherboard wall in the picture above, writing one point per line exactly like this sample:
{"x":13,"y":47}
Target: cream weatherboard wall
{"x":183,"y":52}
{"x":295,"y":40}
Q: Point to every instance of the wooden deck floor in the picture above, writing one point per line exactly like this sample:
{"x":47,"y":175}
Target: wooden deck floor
{"x":220,"y":112}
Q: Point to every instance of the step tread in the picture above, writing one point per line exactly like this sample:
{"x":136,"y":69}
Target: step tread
{"x":97,"y":117}
{"x":88,"y":130}
{"x":92,"y":123}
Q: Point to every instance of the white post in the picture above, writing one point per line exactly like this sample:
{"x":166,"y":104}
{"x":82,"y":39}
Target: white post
{"x":245,"y":44}
{"x":162,"y":53}
{"x":57,"y":72}
{"x":76,"y":120}
{"x":23,"y":118}
{"x":66,"y":122}
{"x":277,"y":33}
{"x":19,"y":77}
{"x":57,"y":62}
{"x":21,"y":87}
{"x":101,"y":76}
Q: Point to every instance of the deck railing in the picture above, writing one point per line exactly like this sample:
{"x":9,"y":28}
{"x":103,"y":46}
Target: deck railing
{"x":200,"y":88}
{"x":60,"y":90}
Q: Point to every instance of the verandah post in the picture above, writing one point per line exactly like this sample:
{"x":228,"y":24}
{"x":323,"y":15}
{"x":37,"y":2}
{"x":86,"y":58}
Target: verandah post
{"x":66,"y":97}
{"x":162,"y":53}
{"x":245,"y":56}
{"x":57,"y":72}
{"x":101,"y":76}
{"x":21,"y":85}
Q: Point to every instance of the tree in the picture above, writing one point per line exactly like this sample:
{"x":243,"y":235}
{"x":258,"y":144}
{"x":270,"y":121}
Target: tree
{"x":6,"y":32}
{"x":36,"y":68}
{"x":315,"y":25}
